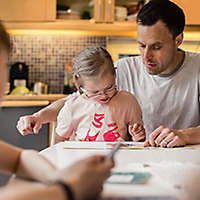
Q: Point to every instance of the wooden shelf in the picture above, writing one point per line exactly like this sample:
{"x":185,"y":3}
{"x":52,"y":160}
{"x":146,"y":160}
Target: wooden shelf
{"x":23,"y":103}
{"x":79,"y":27}
{"x":44,"y":97}
{"x":86,"y":28}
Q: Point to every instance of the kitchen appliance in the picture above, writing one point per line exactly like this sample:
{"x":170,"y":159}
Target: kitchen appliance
{"x":40,"y":88}
{"x":18,"y":75}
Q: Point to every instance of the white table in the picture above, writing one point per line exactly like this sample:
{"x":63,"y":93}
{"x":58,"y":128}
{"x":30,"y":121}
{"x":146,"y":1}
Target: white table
{"x":174,"y":172}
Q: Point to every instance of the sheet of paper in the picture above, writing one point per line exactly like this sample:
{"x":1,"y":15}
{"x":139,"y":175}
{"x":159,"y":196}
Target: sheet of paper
{"x":101,"y":145}
{"x":141,"y":198}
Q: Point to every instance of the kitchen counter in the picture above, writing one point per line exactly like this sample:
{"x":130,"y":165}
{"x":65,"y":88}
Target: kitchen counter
{"x":30,"y":100}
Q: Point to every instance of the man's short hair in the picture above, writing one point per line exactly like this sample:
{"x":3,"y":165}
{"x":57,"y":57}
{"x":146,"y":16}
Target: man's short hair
{"x":166,"y":11}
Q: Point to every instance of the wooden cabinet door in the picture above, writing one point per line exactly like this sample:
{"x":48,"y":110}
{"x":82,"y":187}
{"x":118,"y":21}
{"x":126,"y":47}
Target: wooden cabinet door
{"x":191,"y":10}
{"x":27,"y":10}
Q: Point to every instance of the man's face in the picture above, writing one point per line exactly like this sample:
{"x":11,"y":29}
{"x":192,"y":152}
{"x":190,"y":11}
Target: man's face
{"x":158,"y":48}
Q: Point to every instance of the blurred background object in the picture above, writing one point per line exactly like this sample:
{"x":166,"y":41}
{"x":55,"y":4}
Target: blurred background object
{"x":20,"y":90}
{"x":127,"y":9}
{"x":69,"y":86}
{"x":18,"y":75}
{"x":120,"y":13}
{"x":40,"y":88}
{"x":76,"y":9}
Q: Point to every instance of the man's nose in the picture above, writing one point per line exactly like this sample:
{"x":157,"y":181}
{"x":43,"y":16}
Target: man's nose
{"x":147,"y":54}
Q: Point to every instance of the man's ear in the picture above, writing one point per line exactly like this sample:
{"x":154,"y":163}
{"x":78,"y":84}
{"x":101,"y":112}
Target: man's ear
{"x":179,"y":39}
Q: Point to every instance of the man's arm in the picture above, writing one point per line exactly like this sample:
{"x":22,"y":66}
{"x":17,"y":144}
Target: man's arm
{"x":166,"y":137}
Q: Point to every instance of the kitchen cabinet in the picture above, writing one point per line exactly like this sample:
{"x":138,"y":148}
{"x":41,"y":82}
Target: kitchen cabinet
{"x":8,"y":121}
{"x":27,"y":10}
{"x":191,"y":10}
{"x":108,"y":26}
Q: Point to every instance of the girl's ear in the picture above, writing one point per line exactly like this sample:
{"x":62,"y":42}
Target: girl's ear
{"x":76,"y":83}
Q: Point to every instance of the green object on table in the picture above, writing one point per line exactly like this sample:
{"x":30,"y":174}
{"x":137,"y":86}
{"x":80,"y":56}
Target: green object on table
{"x":21,"y":90}
{"x":128,"y":177}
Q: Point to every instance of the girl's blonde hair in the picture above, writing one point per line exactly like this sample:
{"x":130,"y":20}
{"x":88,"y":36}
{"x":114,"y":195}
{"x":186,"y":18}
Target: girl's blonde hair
{"x":92,"y":61}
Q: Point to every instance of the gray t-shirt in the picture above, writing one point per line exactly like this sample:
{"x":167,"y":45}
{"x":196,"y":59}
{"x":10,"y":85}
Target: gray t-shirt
{"x":172,"y":101}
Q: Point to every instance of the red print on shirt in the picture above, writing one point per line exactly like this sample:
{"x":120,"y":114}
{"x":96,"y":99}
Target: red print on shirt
{"x":111,"y":135}
{"x":91,"y":138}
{"x":97,"y":120}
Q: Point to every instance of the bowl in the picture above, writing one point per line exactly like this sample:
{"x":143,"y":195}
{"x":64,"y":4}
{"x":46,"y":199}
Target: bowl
{"x":21,"y":90}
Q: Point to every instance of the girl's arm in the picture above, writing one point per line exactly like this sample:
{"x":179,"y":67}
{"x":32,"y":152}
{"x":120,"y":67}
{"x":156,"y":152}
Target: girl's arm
{"x":31,"y":124}
{"x":25,"y":163}
{"x":59,"y":138}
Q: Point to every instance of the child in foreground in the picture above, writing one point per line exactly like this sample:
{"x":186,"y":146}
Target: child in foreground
{"x":100,"y":112}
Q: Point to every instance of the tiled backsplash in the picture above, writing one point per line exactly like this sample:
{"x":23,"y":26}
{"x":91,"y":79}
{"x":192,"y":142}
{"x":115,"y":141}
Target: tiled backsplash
{"x":46,"y":55}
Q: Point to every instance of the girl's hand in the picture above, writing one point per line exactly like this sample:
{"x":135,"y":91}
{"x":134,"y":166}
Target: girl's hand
{"x":29,"y":124}
{"x":137,"y":132}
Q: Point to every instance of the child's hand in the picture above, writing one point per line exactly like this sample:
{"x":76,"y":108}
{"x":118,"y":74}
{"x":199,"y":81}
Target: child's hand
{"x":137,"y":132}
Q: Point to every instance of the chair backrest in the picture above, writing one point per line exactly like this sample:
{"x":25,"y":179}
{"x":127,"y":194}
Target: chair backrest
{"x":52,"y":132}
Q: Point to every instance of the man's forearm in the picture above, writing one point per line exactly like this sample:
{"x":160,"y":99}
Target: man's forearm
{"x":50,"y":113}
{"x":192,"y":135}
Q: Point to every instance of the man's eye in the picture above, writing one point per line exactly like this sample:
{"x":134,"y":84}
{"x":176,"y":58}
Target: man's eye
{"x":156,"y":47}
{"x":142,"y":46}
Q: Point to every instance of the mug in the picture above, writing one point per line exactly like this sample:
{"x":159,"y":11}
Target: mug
{"x":40,"y":88}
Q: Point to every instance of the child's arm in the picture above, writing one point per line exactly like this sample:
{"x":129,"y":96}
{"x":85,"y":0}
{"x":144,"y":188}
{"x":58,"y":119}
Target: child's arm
{"x":31,"y":124}
{"x":59,"y":138}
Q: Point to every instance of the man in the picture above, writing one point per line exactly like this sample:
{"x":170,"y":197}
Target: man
{"x":164,"y":79}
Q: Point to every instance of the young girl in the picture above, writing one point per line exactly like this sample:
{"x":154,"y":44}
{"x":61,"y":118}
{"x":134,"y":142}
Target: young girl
{"x":100,"y":113}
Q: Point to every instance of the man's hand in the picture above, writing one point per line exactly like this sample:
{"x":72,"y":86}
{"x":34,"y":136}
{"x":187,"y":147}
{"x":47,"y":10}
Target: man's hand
{"x":29,"y":124}
{"x":165,"y":137}
{"x":86,"y":177}
{"x":137,"y":132}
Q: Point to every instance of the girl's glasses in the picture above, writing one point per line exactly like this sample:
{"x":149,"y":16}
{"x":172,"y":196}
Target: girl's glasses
{"x":106,"y":91}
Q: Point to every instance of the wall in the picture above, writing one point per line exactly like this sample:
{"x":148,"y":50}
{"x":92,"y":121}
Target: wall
{"x":46,"y":55}
{"x":124,"y":45}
